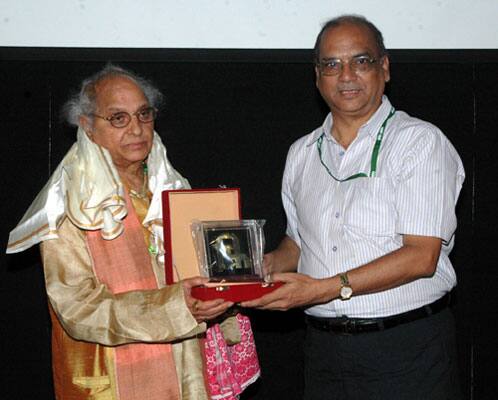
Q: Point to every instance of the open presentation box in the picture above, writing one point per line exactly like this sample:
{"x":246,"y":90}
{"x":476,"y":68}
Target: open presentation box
{"x":180,"y":208}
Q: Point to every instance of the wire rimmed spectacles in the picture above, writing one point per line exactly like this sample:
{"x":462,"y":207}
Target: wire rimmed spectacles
{"x":122,"y":119}
{"x":358,"y":64}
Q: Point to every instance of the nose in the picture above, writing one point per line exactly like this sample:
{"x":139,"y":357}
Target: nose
{"x":347,"y":74}
{"x":135,"y":126}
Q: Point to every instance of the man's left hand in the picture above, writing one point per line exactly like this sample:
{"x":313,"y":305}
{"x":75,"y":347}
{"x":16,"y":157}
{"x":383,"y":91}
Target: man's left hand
{"x":298,"y":290}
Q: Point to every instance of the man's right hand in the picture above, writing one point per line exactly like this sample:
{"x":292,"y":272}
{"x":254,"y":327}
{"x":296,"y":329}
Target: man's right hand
{"x":268,"y":266}
{"x":283,"y":259}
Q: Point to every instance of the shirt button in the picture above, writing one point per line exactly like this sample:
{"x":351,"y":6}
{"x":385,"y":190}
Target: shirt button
{"x":334,"y":248}
{"x":341,"y":153}
{"x":337,"y":214}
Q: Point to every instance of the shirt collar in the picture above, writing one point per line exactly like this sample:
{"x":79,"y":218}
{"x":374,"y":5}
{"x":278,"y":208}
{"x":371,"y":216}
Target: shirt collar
{"x":370,"y":127}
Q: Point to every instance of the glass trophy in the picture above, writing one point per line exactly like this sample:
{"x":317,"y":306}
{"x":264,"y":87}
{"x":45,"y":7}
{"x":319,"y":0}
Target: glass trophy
{"x":230,"y":251}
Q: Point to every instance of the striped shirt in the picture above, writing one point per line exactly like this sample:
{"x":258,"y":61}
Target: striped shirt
{"x":342,"y":225}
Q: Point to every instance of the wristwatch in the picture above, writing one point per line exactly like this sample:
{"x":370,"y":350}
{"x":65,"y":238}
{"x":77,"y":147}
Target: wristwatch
{"x":346,"y":289}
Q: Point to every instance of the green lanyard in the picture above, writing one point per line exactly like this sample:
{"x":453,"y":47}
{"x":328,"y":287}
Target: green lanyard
{"x":375,"y":153}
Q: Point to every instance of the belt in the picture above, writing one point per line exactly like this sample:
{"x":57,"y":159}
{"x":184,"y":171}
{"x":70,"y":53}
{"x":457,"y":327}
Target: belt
{"x":352,"y":326}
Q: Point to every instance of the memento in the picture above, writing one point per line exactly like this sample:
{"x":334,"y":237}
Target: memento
{"x":232,"y":248}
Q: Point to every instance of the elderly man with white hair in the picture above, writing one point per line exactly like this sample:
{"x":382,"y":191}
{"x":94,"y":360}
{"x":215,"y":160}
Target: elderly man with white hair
{"x":118,"y":332}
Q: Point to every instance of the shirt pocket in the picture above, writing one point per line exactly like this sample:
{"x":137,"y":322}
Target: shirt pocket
{"x":369,"y":206}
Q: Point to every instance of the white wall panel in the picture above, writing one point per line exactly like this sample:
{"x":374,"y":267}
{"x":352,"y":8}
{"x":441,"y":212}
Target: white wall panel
{"x":286,"y":24}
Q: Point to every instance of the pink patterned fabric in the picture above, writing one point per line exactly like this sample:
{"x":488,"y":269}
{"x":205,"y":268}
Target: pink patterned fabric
{"x":230,"y":369}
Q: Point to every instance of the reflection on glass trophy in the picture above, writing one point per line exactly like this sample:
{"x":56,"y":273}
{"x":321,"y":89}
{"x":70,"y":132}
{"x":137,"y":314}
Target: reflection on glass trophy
{"x":229,"y":250}
{"x":229,"y":260}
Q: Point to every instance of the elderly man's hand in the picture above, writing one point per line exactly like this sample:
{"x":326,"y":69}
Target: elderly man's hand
{"x":203,"y":310}
{"x":299,"y":290}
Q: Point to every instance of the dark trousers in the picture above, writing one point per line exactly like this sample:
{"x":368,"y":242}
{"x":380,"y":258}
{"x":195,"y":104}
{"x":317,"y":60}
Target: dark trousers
{"x":416,"y":360}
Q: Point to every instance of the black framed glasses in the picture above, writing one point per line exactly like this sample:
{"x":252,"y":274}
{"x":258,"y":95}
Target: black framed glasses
{"x":122,"y":119}
{"x":358,"y":64}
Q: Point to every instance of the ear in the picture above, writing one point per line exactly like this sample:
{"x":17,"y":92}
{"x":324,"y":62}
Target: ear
{"x":385,"y":69}
{"x":87,"y":126}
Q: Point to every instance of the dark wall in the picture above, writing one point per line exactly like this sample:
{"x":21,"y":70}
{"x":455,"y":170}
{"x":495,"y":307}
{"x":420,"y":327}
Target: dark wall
{"x":229,"y":118}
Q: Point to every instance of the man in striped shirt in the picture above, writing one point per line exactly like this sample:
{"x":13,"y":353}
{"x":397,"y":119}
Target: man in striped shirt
{"x":370,"y":201}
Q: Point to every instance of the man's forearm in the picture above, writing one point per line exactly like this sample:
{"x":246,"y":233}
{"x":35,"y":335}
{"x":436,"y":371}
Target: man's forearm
{"x":285,"y":257}
{"x":416,"y":259}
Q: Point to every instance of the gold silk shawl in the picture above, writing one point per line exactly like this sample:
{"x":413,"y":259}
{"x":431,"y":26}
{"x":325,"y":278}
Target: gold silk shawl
{"x":87,"y":189}
{"x":83,"y":368}
{"x":85,"y":192}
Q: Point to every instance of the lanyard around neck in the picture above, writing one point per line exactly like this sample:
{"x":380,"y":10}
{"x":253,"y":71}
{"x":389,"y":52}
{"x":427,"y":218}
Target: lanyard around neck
{"x":373,"y":160}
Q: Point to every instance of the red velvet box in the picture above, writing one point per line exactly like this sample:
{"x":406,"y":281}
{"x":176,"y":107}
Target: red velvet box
{"x":180,"y":208}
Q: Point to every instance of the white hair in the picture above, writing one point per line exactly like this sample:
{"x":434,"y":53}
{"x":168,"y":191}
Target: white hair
{"x":83,"y":103}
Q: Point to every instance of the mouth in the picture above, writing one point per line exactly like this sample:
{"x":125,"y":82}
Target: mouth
{"x":349,"y":92}
{"x":135,"y":146}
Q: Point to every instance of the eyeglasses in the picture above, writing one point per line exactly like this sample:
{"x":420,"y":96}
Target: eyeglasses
{"x":122,"y":119}
{"x":335,"y":66}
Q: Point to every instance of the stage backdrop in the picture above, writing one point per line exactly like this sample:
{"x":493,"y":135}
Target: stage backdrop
{"x":229,"y":119}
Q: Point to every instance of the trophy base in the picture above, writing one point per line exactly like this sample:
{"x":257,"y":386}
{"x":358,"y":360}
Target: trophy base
{"x":235,"y":292}
{"x":237,"y":279}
